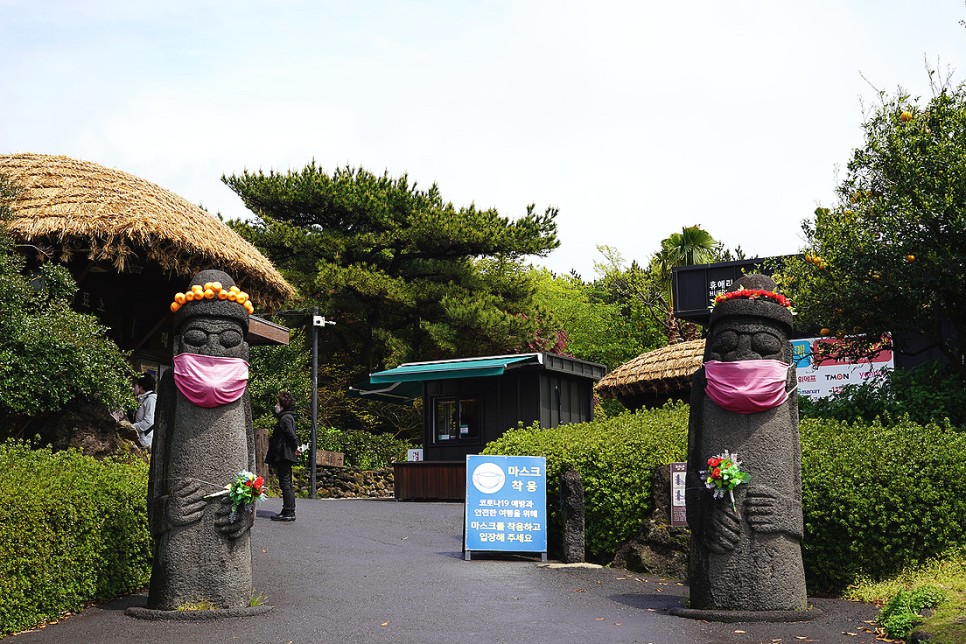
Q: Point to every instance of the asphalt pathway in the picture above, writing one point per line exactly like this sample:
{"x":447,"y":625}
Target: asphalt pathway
{"x":384,"y":571}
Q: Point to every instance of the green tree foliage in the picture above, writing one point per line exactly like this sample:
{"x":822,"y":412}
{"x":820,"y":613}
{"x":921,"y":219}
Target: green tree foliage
{"x":645,"y":291}
{"x":49,"y":354}
{"x":890,"y":256}
{"x":599,"y":324}
{"x":287,"y":368}
{"x":404,"y":274}
{"x":693,"y":245}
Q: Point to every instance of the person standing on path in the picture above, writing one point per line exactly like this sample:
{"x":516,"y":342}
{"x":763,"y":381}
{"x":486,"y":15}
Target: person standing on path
{"x":283,"y":452}
{"x":143,"y":417}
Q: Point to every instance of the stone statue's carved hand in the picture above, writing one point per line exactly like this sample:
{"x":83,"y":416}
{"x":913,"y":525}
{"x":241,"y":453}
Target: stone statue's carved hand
{"x":186,"y":503}
{"x":768,"y":511}
{"x":233,"y":529}
{"x":724,"y":530}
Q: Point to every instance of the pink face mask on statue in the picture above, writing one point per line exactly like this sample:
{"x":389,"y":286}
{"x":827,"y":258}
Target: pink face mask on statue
{"x":209,"y":381}
{"x":747,"y":386}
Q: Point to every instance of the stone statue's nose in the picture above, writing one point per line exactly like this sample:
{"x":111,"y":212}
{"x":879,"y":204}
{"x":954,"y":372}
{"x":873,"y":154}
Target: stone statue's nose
{"x":744,"y":344}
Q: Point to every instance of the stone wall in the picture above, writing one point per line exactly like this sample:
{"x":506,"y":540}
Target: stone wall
{"x":346,"y":483}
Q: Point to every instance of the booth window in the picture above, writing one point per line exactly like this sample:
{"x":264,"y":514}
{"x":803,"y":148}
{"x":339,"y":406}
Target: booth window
{"x":456,"y":419}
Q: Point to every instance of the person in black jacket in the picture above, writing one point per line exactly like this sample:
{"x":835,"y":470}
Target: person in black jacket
{"x":283,"y":452}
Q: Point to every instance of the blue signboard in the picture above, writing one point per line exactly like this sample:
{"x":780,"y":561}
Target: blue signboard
{"x":506,"y":504}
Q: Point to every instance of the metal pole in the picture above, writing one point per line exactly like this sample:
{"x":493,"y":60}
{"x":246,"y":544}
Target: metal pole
{"x":315,"y":402}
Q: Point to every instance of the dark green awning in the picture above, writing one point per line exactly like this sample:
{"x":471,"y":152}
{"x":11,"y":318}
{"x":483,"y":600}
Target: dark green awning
{"x":448,"y":369}
{"x":397,"y":392}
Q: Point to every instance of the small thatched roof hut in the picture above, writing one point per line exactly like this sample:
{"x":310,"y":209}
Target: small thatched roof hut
{"x":653,"y":378}
{"x":131,"y":245}
{"x":68,"y":207}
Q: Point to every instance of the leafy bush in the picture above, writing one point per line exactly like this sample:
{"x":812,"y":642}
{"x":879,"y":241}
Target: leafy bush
{"x":902,"y":613}
{"x":72,"y":529}
{"x":929,"y":393}
{"x":616,"y":457}
{"x":362,"y":449}
{"x":49,"y":354}
{"x":878,"y":499}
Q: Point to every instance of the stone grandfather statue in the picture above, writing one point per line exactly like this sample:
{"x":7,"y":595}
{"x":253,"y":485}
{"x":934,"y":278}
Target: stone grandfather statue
{"x":203,"y":438}
{"x":746,"y":556}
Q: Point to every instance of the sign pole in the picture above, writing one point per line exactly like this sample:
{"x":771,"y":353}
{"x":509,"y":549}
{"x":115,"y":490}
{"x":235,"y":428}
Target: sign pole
{"x":315,"y":403}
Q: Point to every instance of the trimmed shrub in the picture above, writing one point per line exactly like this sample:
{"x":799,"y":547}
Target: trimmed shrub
{"x":878,"y":499}
{"x":72,"y":529}
{"x":362,"y":449}
{"x":616,"y":458}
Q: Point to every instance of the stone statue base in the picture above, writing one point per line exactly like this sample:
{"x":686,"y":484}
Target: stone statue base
{"x":141,"y":612}
{"x":806,"y":615}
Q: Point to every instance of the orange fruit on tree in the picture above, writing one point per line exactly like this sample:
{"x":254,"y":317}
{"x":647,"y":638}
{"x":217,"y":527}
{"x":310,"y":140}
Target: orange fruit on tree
{"x":825,"y":331}
{"x":906,"y":116}
{"x":910,"y":258}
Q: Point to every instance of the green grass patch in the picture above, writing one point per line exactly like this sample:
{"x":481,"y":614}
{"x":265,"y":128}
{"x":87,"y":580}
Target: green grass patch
{"x":944,"y":622}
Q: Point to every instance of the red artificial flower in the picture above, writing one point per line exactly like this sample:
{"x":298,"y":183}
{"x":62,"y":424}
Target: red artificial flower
{"x":259,"y":481}
{"x":248,"y":483}
{"x":716,"y":473}
{"x":714,"y":461}
{"x":751,"y":294}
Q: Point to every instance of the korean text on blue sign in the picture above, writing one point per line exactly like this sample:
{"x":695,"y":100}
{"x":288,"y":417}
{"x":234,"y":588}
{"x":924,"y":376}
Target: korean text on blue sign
{"x":506,"y":503}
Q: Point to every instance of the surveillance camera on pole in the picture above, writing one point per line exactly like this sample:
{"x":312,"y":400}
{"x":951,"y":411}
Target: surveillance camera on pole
{"x":318,"y":322}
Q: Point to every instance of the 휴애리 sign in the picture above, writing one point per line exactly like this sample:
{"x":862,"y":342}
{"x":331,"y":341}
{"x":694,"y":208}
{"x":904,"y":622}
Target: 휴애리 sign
{"x":506,"y":504}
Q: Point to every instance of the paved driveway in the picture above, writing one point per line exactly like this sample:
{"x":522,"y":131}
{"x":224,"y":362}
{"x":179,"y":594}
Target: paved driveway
{"x":385,"y":571}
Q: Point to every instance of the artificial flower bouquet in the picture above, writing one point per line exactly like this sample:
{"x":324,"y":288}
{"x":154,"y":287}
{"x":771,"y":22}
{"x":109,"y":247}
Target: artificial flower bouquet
{"x":723,"y":475}
{"x":243,"y":492}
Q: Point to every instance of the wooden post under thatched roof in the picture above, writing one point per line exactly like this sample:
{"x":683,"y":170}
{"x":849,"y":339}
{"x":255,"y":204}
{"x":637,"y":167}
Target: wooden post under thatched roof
{"x":68,"y":207}
{"x":653,"y":378}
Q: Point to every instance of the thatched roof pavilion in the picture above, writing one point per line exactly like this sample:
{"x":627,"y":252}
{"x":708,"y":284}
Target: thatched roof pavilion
{"x":77,"y":207}
{"x":130,"y":244}
{"x":653,"y":378}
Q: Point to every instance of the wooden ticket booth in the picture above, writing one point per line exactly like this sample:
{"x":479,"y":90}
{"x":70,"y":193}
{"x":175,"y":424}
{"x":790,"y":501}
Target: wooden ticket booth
{"x":471,"y":401}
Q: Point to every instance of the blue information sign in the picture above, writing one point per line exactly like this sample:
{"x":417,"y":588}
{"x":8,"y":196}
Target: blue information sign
{"x":506,"y":504}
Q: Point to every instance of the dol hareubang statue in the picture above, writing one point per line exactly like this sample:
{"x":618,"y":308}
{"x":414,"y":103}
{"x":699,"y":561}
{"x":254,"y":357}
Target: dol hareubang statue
{"x":203,"y":438}
{"x":744,"y":401}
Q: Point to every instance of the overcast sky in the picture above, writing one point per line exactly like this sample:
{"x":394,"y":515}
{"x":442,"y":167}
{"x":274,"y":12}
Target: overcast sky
{"x":633,"y":118}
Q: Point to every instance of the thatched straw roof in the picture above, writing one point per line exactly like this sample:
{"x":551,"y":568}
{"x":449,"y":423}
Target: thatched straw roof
{"x":655,"y":376}
{"x":75,"y":207}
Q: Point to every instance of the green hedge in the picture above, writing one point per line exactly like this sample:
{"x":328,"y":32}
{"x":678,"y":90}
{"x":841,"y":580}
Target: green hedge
{"x":362,"y":449}
{"x":879,"y":499}
{"x":616,"y":458}
{"x":876,"y":499}
{"x":72,"y":529}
